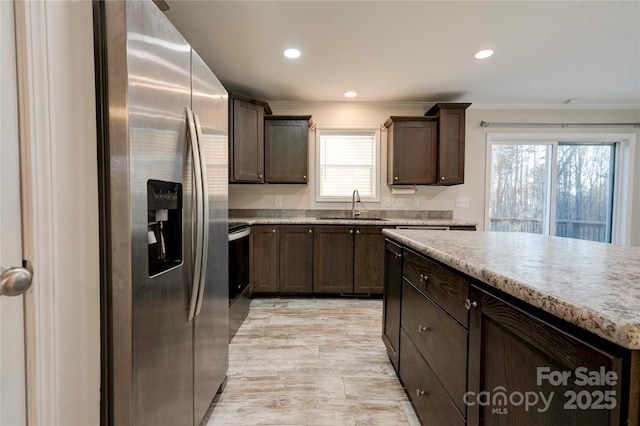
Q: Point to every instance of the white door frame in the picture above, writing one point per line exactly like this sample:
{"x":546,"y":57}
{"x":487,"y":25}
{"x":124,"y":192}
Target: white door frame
{"x":38,"y":205}
{"x":13,"y":404}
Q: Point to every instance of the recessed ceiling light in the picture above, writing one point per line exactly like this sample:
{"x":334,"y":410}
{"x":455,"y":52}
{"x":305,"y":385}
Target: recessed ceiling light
{"x":350,"y":94}
{"x":292,"y":53}
{"x":484,"y":54}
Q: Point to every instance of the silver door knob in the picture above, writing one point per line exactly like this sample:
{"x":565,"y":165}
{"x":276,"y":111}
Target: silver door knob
{"x":15,"y":281}
{"x":469,"y":304}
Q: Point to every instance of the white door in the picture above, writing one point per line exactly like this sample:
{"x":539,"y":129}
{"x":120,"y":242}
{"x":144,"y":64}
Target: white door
{"x":12,"y":359}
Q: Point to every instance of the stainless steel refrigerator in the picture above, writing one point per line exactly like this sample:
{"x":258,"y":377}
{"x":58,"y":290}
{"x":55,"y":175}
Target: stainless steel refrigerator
{"x":163,"y":132}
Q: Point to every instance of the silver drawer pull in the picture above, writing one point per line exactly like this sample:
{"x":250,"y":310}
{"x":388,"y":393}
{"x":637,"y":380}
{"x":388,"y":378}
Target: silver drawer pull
{"x":469,"y":304}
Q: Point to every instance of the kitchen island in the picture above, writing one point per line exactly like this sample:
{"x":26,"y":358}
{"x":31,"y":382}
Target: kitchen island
{"x":512,"y":328}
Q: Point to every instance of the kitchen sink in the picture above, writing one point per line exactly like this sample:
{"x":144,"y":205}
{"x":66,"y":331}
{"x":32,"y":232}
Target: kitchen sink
{"x":352,"y":218}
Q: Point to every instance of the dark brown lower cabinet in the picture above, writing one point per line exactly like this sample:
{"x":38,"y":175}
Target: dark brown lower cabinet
{"x":391,"y":301}
{"x":264,"y":271}
{"x":333,"y":259}
{"x":368,"y":265}
{"x":296,"y":259}
{"x":513,"y":353}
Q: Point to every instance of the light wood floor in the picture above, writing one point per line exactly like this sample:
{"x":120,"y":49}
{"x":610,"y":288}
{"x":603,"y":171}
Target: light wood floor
{"x":311,"y":362}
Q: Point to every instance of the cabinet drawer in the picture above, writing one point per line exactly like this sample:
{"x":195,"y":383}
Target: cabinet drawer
{"x":441,"y":341}
{"x":447,"y":288}
{"x":434,"y":405}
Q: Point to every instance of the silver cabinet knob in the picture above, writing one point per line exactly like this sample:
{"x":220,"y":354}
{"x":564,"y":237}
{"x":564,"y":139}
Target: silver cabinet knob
{"x":419,"y":393}
{"x":311,"y":231}
{"x":423,"y":277}
{"x":304,"y":177}
{"x":396,"y":178}
{"x":442,"y":178}
{"x":421,"y":328}
{"x":273,"y":231}
{"x":15,"y":281}
{"x":397,"y":255}
{"x":260,"y":176}
{"x":351,"y":231}
{"x":357,"y":232}
{"x":469,"y":304}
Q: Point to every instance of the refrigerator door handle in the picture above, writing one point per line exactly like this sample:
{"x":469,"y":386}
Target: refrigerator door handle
{"x":197,"y":175}
{"x":205,"y":204}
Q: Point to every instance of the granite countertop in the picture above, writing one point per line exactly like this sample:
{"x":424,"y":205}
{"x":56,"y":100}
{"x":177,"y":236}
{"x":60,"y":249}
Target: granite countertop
{"x":349,"y":221}
{"x":595,"y":286}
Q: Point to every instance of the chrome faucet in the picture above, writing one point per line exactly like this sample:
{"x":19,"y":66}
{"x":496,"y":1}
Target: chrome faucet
{"x":355,"y":198}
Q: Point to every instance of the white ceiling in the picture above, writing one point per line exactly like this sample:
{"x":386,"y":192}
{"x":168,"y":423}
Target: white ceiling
{"x":422,"y":51}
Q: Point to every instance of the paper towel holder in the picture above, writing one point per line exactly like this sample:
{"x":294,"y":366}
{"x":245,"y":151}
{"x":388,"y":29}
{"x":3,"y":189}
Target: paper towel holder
{"x":403,"y":190}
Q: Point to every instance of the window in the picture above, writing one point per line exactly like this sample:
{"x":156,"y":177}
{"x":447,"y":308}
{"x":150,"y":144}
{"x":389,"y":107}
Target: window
{"x":576,"y":186}
{"x":347,"y":159}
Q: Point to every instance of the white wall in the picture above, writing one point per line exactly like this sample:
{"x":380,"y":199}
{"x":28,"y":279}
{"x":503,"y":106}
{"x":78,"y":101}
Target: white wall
{"x":429,"y":198}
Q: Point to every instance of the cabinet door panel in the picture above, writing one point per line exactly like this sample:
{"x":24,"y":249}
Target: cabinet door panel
{"x":296,"y":259}
{"x":247,"y":142}
{"x":451,"y":146}
{"x":286,"y":150}
{"x":414,"y":150}
{"x":368,"y":267}
{"x":264,"y":274}
{"x":507,"y":347}
{"x":391,"y":301}
{"x":333,"y":259}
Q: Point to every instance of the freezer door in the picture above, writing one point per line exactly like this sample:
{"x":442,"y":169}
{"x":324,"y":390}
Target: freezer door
{"x":211,"y":354}
{"x":149,"y":175}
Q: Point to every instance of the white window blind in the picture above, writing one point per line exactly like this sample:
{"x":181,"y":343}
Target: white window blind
{"x":347,"y":161}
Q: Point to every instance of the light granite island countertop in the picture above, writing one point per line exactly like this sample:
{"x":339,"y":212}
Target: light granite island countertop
{"x":595,"y":286}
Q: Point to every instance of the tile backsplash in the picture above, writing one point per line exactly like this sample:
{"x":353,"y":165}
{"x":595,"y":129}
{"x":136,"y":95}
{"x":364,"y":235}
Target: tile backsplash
{"x":286,"y":213}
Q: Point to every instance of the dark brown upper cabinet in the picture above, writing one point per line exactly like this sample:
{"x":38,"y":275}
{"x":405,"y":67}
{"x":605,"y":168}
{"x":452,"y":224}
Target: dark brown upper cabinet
{"x":246,"y":139}
{"x":427,"y":150}
{"x":286,"y":145}
{"x":451,"y":128}
{"x":411,"y":150}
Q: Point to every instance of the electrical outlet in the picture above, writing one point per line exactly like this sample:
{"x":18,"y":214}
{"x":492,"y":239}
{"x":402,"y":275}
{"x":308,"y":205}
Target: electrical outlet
{"x":278,"y":201}
{"x":462,"y":202}
{"x":386,"y":201}
{"x":399,"y":202}
{"x":416,"y":202}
